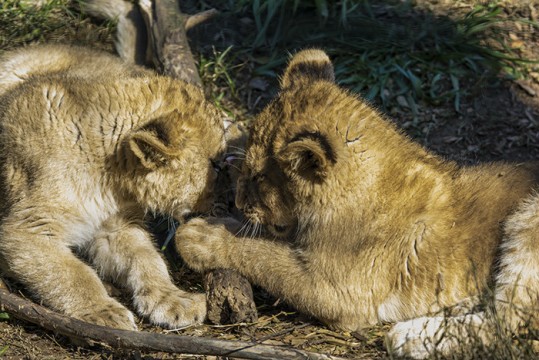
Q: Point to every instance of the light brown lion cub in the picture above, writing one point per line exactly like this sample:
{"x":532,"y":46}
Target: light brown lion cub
{"x":373,"y":227}
{"x":88,"y":146}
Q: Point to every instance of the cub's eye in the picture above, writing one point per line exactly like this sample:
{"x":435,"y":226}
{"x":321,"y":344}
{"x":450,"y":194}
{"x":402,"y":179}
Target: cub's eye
{"x":259,"y":177}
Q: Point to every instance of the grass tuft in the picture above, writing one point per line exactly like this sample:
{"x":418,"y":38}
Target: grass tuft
{"x":4,"y":349}
{"x":219,"y":71}
{"x":55,"y":21}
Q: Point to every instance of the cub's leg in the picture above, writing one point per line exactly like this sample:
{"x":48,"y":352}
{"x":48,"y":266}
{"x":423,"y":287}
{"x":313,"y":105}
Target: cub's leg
{"x":280,"y":269}
{"x":131,"y":36}
{"x":33,"y":245}
{"x":123,"y":251}
{"x":517,"y":282}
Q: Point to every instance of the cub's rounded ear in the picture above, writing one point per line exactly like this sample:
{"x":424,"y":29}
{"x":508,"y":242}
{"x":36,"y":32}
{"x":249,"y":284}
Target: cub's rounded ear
{"x":309,"y":155}
{"x":155,"y":143}
{"x":311,"y":64}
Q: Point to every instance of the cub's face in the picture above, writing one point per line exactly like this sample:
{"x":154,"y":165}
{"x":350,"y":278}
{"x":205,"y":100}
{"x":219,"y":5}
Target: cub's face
{"x":171,"y":162}
{"x":263,"y":192}
{"x":291,"y":154}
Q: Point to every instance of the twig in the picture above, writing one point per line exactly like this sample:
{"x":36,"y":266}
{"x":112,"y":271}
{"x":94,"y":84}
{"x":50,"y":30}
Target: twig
{"x":332,"y":333}
{"x":282,"y":332}
{"x":36,"y":314}
{"x":199,"y":18}
{"x":335,"y":341}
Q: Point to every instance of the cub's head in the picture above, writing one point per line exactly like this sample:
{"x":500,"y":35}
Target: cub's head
{"x":295,"y":148}
{"x":169,"y":164}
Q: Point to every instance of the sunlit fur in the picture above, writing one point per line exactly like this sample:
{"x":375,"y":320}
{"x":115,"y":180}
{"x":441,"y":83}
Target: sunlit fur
{"x":89,"y":145}
{"x":379,"y":228}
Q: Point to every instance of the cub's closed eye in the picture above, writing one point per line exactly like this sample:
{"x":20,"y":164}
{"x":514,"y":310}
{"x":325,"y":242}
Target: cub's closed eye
{"x":216,"y":165}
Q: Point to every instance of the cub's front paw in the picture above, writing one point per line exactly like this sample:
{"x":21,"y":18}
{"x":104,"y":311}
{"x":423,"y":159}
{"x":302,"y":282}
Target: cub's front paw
{"x":171,"y":307}
{"x":202,"y":245}
{"x":111,"y":314}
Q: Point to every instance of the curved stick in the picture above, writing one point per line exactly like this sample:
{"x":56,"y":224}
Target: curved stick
{"x":140,"y":340}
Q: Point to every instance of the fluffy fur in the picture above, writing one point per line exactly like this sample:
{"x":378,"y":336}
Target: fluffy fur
{"x":88,"y":146}
{"x":371,"y":227}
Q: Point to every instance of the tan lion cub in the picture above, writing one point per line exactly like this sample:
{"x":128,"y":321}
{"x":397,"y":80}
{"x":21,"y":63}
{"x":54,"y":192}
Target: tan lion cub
{"x":375,"y":227}
{"x":88,"y":146}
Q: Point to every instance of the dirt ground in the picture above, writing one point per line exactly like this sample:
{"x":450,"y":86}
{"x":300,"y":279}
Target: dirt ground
{"x":497,"y":121}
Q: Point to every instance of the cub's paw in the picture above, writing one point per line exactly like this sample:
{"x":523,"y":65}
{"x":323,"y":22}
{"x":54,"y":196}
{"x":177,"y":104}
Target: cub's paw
{"x":112,"y":314}
{"x":202,"y":245}
{"x":441,"y":336}
{"x":171,"y":307}
{"x":416,"y":338}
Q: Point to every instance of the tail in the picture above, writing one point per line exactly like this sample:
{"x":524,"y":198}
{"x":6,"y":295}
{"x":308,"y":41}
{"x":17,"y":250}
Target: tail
{"x":131,"y":38}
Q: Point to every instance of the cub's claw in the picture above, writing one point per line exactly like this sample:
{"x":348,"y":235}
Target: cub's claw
{"x":111,"y":314}
{"x":172,"y":308}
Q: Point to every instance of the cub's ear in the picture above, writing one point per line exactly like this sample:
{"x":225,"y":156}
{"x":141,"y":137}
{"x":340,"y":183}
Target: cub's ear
{"x":157,"y":142}
{"x":311,"y":64}
{"x":309,"y":155}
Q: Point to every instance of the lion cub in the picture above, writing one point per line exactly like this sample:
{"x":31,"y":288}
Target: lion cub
{"x":375,"y":227}
{"x":89,"y":145}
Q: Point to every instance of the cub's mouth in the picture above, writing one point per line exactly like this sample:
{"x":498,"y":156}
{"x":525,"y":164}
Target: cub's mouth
{"x":278,"y":229}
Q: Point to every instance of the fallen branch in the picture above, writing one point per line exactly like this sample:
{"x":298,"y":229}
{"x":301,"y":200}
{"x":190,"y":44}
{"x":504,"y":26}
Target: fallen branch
{"x":28,"y":311}
{"x":169,"y":47}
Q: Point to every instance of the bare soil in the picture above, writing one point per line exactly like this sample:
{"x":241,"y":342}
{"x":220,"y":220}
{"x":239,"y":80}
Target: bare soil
{"x":498,"y":120}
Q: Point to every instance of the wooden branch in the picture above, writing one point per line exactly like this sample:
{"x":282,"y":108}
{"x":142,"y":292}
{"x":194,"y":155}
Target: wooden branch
{"x":230,"y":298}
{"x":28,"y":311}
{"x":170,"y":52}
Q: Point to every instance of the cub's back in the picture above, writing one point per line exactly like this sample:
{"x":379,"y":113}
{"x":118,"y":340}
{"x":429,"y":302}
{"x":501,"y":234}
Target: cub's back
{"x":52,"y":95}
{"x":76,"y":103}
{"x":66,"y":61}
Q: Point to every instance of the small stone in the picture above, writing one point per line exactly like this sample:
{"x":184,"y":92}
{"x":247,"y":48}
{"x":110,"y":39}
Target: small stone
{"x":258,"y":83}
{"x":401,"y":100}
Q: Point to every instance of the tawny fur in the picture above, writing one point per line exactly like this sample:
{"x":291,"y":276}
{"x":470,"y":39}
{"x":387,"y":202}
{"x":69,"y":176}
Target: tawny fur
{"x":373,"y":227}
{"x":89,"y":145}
